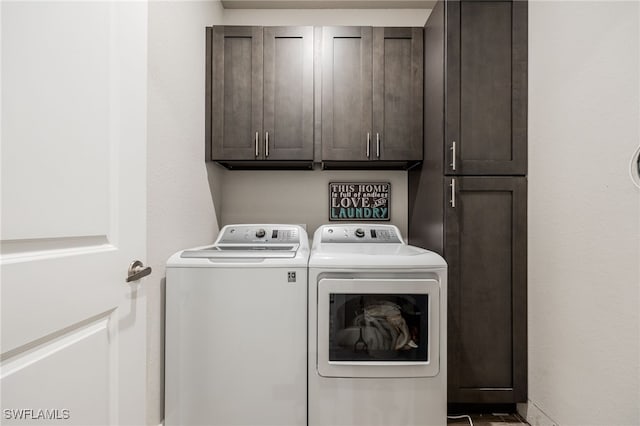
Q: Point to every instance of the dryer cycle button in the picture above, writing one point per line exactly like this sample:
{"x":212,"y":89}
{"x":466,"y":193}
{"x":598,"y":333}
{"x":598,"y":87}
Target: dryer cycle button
{"x":360,"y":233}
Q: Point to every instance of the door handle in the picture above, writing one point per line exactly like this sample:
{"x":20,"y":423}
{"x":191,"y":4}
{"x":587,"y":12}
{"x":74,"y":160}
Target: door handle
{"x":368,"y":144}
{"x":137,"y":270}
{"x":377,"y":145}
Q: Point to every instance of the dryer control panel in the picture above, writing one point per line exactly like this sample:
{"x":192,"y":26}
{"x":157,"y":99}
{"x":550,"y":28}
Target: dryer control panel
{"x":361,"y":233}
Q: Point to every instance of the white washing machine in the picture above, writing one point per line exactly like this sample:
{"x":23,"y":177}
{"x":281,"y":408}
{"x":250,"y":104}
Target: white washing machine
{"x":377,"y":329}
{"x":236,"y":329}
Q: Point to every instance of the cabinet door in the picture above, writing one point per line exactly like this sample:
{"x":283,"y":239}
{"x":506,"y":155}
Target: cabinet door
{"x":486,"y":88}
{"x":346,"y":93}
{"x":236,"y":92}
{"x":485,"y":247}
{"x":288,"y":93}
{"x":397,"y":93}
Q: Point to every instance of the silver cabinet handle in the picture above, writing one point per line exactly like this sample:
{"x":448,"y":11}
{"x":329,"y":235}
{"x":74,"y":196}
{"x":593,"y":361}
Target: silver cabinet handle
{"x":368,"y":144}
{"x":377,"y":145}
{"x":453,"y":156}
{"x":257,"y":136}
{"x":137,"y":270}
{"x":453,"y":193}
{"x":266,"y":144}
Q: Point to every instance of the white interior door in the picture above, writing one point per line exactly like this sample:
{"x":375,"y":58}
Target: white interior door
{"x":73,"y":211}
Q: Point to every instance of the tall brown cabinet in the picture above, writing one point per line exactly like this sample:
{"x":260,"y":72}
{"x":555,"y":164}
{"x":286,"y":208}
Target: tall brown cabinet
{"x":467,"y":200}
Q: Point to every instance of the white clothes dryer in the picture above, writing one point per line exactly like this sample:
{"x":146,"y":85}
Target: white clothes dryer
{"x":236,"y":329}
{"x":377,"y":329}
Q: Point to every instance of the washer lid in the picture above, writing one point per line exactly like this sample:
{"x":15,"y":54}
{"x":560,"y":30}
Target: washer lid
{"x":253,"y":241}
{"x":243,"y":251}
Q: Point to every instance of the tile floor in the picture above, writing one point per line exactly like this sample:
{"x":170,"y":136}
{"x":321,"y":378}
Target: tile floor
{"x":496,"y":419}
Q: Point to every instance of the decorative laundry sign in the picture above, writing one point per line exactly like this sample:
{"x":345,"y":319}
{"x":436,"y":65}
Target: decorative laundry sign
{"x":357,"y":201}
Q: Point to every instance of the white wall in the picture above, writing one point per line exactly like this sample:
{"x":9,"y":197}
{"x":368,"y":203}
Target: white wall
{"x":584,"y":213}
{"x":359,"y":17}
{"x":300,"y":197}
{"x":181,"y":186}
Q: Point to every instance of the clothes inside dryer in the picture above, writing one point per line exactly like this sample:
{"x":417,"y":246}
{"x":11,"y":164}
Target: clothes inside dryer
{"x":378,"y":327}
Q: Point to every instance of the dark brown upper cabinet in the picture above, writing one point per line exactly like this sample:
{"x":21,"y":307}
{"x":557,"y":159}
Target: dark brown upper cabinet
{"x":347,"y":93}
{"x":260,"y":96}
{"x":372,"y":85}
{"x":486,"y":88}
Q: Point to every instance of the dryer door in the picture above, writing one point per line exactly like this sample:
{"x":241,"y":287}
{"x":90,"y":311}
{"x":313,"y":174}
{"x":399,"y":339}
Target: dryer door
{"x":378,"y":327}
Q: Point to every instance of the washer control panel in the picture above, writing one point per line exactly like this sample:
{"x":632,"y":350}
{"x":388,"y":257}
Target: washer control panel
{"x":361,"y":233}
{"x":265,"y":234}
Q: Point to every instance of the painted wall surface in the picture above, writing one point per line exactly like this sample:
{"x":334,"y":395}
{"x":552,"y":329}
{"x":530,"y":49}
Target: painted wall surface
{"x":302,"y":196}
{"x":359,"y":17}
{"x":584,"y":213}
{"x":181,"y":186}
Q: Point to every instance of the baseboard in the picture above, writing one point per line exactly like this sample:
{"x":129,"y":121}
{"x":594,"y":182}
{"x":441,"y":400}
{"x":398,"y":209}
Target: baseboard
{"x":534,"y":415}
{"x":467,"y":408}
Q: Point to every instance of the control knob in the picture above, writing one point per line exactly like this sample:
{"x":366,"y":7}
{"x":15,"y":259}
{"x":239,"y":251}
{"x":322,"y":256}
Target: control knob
{"x":260,"y":233}
{"x":360,"y":233}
